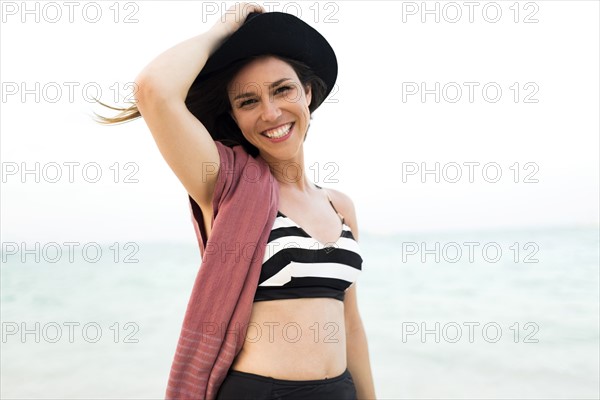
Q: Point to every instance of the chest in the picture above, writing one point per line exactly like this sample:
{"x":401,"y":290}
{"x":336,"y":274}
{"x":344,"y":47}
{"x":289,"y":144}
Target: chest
{"x":317,"y":217}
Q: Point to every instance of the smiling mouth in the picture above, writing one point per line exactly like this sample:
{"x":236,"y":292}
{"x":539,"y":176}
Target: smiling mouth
{"x":278,"y":132}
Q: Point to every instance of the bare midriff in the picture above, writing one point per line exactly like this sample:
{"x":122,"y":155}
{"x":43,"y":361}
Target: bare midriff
{"x":295,"y":339}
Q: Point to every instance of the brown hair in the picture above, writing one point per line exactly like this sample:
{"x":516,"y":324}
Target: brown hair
{"x":210,"y":102}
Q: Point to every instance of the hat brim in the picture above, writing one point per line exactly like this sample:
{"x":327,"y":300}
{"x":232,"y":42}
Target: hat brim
{"x":278,"y":34}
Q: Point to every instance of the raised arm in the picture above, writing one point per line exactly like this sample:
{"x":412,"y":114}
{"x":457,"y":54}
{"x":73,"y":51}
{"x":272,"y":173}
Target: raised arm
{"x":163,"y":86}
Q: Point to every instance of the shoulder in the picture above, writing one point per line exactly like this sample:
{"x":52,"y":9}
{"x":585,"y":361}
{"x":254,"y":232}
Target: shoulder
{"x":345,"y":206}
{"x":341,"y":200}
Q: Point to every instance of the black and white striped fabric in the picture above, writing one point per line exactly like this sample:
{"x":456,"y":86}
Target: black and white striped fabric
{"x":295,"y":265}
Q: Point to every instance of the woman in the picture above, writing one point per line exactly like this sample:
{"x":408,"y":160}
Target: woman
{"x":254,"y":79}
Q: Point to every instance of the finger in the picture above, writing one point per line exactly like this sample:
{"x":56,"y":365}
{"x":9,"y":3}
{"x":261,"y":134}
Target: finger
{"x":252,"y":7}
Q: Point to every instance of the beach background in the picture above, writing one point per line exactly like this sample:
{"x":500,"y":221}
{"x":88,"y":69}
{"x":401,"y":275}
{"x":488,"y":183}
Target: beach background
{"x":480,"y":288}
{"x":554,"y":357}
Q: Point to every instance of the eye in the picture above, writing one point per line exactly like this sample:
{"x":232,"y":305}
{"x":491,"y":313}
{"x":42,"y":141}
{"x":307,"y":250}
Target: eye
{"x":283,"y":89}
{"x":246,"y":103}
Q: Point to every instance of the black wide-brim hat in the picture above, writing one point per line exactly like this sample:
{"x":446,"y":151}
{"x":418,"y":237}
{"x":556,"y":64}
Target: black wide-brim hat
{"x":278,"y":34}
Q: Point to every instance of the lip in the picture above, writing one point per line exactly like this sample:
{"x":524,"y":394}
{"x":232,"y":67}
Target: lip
{"x":281,"y":139}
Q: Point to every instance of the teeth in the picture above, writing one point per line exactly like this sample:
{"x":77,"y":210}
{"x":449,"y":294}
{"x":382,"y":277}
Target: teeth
{"x":279,"y":132}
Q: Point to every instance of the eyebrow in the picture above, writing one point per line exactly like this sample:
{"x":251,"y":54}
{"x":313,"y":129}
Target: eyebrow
{"x":271,"y":86}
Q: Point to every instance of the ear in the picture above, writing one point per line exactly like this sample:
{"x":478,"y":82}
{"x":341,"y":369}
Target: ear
{"x":308,"y":91}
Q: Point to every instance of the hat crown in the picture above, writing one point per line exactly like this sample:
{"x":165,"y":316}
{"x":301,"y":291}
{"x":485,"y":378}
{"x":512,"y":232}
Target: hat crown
{"x":250,"y":16}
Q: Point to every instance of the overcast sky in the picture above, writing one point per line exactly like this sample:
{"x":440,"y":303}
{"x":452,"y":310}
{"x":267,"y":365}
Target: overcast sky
{"x":514,"y":133}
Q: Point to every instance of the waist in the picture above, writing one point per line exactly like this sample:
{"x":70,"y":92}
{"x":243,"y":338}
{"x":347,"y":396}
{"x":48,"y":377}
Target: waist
{"x":268,"y":379}
{"x":310,"y":331}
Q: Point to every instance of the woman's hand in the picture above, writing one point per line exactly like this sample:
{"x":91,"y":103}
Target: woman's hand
{"x":234,"y":17}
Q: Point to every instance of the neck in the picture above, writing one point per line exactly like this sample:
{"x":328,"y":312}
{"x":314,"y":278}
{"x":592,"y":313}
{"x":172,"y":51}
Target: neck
{"x":290,"y":173}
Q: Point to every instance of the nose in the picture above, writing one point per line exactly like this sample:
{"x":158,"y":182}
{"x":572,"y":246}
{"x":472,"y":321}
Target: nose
{"x":270,"y":110}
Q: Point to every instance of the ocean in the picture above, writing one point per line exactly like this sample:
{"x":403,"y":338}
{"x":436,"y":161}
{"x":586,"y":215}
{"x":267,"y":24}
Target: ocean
{"x":455,"y":315}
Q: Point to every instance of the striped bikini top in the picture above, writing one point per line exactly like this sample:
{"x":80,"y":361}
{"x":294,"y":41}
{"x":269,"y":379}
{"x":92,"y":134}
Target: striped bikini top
{"x":296,"y":265}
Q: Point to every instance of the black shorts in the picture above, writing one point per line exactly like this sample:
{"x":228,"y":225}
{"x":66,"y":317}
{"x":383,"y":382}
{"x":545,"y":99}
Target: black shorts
{"x":240,"y":385}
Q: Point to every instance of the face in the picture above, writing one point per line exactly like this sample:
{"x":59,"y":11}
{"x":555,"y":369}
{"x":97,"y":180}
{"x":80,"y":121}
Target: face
{"x":270,"y":106}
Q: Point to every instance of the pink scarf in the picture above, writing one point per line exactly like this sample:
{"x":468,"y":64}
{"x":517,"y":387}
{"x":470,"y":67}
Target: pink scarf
{"x":245,"y":205}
